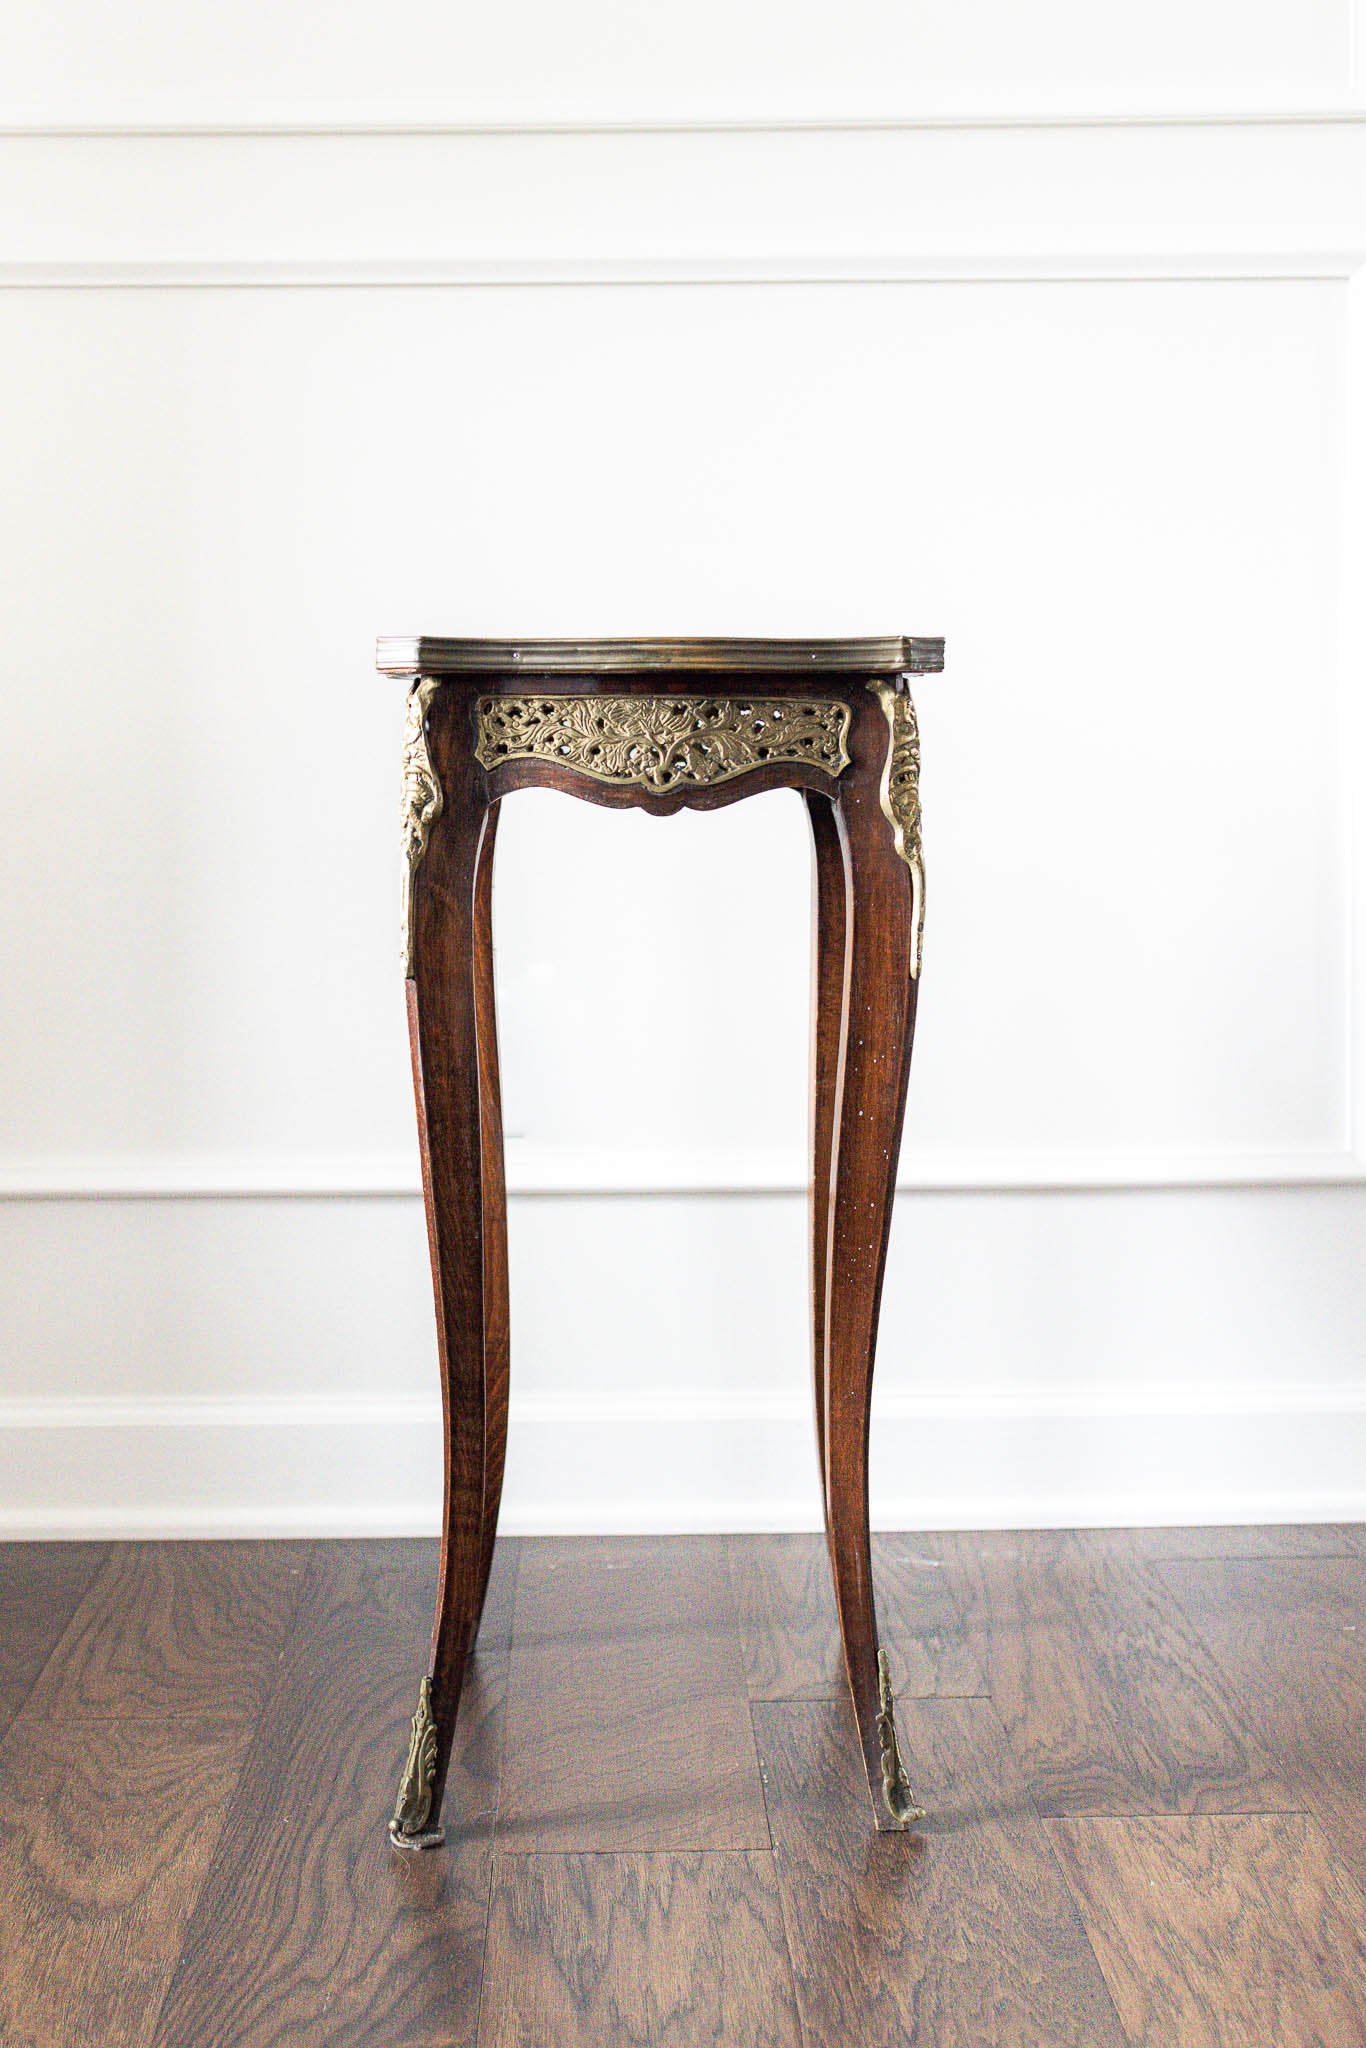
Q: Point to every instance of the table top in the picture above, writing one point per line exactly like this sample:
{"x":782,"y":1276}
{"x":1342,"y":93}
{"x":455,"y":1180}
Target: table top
{"x":898,"y":655}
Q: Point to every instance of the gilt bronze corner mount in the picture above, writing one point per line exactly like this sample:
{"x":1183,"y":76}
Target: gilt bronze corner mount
{"x":896,"y":1789}
{"x":421,"y":799}
{"x":408,"y":1829}
{"x":900,"y":794}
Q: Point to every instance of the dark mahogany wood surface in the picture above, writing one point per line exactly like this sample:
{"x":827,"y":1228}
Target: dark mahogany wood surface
{"x":1142,"y":1753}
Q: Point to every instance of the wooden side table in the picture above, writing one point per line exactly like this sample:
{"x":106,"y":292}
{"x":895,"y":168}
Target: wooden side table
{"x":659,"y":724}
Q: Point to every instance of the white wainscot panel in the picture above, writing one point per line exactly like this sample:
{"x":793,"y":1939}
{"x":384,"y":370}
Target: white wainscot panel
{"x":1119,"y":502}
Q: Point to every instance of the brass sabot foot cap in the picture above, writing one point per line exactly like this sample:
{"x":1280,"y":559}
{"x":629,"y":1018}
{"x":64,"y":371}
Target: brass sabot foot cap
{"x":900,"y":1807}
{"x":432,"y":1838}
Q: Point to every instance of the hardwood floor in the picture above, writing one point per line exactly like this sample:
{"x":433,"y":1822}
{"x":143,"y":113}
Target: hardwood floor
{"x":1220,"y":1927}
{"x":960,"y":1934}
{"x":668,"y":1950}
{"x":628,"y":1724}
{"x":1111,"y":1700}
{"x":1142,"y":1753}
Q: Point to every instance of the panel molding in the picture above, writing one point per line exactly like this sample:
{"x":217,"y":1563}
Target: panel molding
{"x":949,"y":112}
{"x":1222,"y":194}
{"x":455,"y":273}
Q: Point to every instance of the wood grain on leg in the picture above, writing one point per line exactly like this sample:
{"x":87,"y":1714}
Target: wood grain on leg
{"x":1220,"y":1931}
{"x":875,"y":1051}
{"x":669,"y":1951}
{"x":1110,"y":1700}
{"x":829,"y":919}
{"x":497,"y":1328}
{"x":629,"y":1724}
{"x":961,"y":1935}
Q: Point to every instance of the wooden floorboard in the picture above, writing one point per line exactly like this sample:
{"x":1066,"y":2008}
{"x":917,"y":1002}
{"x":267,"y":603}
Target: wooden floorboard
{"x":1260,"y":1539}
{"x":789,"y":1632}
{"x":1111,"y":1700}
{"x":669,"y":1951}
{"x":1220,"y":1931}
{"x":176,"y":1628}
{"x":658,"y":1826}
{"x":41,"y":1586}
{"x":310,"y":1929}
{"x":628,"y":1720}
{"x":962,"y":1935}
{"x":1289,"y":1634}
{"x":106,"y":1830}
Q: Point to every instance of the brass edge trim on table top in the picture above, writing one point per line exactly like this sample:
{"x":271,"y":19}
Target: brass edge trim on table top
{"x":896,"y":1790}
{"x":664,"y":743}
{"x":900,"y":798}
{"x":408,"y":655}
{"x":422,"y":801}
{"x":408,"y":1829}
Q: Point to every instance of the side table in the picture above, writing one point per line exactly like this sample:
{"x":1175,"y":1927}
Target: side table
{"x":659,"y":724}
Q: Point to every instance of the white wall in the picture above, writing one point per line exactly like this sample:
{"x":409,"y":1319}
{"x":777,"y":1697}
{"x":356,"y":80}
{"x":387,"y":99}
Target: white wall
{"x":684,"y":322}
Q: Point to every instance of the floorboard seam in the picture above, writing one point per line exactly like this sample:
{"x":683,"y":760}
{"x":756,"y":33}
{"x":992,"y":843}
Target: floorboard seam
{"x":484,"y":1945}
{"x":1244,"y":1557}
{"x":1179,"y":1813}
{"x":763,"y":1775}
{"x":574,"y":1855}
{"x":828,"y":1699}
{"x":97,"y":1572}
{"x":508,"y":1662}
{"x":777,"y":1873}
{"x":1041,"y":1820}
{"x":248,"y":1747}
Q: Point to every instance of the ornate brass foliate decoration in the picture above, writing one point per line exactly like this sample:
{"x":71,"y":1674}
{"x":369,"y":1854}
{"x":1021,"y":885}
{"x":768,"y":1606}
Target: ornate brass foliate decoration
{"x":896,"y":1790}
{"x":408,"y":1829}
{"x":900,"y":794}
{"x":664,"y":743}
{"x":421,"y":800}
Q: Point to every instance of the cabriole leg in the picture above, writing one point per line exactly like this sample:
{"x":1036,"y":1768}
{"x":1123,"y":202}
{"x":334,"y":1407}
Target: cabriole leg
{"x":447,"y":823}
{"x":883,"y":902}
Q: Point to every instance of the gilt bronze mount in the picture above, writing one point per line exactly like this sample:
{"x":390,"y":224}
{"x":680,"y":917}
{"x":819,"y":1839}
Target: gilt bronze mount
{"x":659,"y":725}
{"x":408,"y":1829}
{"x":663,"y":742}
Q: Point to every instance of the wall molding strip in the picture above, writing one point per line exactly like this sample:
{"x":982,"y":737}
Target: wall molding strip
{"x":1331,"y":266}
{"x":1082,"y":114}
{"x":573,"y":1172}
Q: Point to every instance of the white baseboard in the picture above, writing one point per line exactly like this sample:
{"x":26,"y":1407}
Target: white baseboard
{"x":1030,"y":1458}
